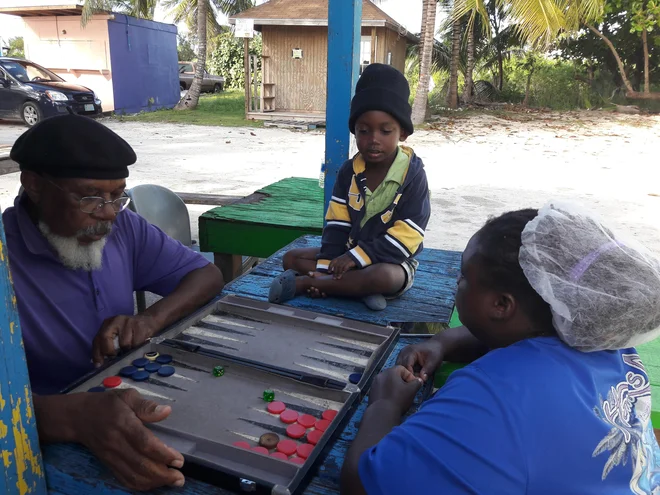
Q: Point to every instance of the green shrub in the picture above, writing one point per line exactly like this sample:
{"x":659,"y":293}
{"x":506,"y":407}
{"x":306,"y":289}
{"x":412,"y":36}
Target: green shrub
{"x":226,"y":58}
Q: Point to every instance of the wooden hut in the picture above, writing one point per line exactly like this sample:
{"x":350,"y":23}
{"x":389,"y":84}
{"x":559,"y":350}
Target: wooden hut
{"x":291,"y":82}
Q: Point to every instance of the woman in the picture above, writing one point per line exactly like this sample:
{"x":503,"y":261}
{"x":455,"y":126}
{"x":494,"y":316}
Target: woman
{"x":556,"y":400}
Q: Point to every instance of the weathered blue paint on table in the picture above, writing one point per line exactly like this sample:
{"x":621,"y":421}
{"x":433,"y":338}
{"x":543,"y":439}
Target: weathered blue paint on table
{"x":22,"y":469}
{"x":431,"y":298}
{"x":72,"y":470}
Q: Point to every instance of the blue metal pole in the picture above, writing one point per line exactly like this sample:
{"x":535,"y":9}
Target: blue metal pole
{"x":22,"y":467}
{"x":344,"y":27}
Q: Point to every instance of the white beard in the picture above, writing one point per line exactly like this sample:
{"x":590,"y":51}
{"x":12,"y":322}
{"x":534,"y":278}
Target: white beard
{"x":72,"y":254}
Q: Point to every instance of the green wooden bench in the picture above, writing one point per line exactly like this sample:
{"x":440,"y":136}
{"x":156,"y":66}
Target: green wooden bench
{"x":261,"y":223}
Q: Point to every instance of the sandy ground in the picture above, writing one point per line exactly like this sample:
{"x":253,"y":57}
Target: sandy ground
{"x":477,"y":166}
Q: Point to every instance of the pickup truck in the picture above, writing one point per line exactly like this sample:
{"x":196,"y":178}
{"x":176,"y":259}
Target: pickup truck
{"x":210,"y":83}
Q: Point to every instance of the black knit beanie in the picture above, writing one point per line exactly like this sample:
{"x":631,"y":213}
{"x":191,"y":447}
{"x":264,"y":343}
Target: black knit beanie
{"x":382,"y":87}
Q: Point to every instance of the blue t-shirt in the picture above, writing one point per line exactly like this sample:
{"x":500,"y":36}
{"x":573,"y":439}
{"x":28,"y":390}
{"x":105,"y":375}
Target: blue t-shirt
{"x":537,"y":417}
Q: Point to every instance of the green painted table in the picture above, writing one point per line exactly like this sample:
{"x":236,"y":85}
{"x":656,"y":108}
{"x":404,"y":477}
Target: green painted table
{"x":261,"y":223}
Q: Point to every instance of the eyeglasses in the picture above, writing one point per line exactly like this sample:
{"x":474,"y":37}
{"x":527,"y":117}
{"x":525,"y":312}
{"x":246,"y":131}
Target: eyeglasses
{"x":93,"y":204}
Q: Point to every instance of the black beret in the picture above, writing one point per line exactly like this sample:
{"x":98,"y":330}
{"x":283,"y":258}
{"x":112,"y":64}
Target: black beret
{"x":73,"y":147}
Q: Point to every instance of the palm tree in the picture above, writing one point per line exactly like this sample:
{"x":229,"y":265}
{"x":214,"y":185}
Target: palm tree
{"x":452,"y":94}
{"x":427,"y":43}
{"x":202,"y":10}
{"x":469,"y":70}
{"x":143,"y":9}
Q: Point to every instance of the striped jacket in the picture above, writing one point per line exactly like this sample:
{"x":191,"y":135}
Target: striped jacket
{"x":392,"y":236}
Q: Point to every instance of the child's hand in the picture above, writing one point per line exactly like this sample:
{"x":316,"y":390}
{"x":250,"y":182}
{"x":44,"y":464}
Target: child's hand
{"x":341,"y":265}
{"x":397,"y":385}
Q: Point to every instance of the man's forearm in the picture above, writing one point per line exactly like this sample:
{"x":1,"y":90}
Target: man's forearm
{"x":196,"y":289}
{"x":378,"y":421}
{"x":55,"y":416}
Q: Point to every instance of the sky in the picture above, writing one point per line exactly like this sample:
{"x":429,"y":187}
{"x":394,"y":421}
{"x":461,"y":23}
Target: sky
{"x":408,"y":13}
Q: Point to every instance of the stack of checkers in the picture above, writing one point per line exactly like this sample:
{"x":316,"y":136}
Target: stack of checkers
{"x":139,"y":371}
{"x":300,"y":425}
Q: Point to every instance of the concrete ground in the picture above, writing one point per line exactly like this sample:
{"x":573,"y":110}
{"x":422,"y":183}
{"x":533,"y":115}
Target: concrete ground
{"x":477,"y":165}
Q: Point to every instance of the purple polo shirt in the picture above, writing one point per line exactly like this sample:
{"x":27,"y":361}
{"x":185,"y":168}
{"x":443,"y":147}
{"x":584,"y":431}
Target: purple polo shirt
{"x":61,"y":310}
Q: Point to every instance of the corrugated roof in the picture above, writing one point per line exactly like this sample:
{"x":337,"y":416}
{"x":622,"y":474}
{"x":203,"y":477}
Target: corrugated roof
{"x":313,"y":12}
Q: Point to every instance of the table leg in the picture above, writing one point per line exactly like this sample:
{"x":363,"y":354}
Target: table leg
{"x":230,"y":265}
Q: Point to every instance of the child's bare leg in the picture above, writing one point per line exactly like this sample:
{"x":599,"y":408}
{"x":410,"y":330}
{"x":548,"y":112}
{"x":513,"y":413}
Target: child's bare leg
{"x":382,"y":278}
{"x":301,"y":260}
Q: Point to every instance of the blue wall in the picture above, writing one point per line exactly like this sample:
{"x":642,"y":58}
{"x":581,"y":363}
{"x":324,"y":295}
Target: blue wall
{"x":144,"y":60}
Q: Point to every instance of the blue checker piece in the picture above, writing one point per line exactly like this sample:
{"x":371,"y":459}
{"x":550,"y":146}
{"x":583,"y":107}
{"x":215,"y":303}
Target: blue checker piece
{"x":141,"y":362}
{"x":152,"y":367}
{"x":140,"y":376}
{"x":166,"y":371}
{"x":164,"y":359}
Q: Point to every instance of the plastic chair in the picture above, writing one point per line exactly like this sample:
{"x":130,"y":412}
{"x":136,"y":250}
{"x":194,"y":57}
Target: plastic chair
{"x":167,"y":211}
{"x":162,"y":208}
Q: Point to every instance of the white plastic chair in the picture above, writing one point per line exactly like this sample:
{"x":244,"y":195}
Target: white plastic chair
{"x":167,"y":211}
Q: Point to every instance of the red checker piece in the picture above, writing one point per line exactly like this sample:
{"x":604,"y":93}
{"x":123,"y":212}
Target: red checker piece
{"x":289,"y":416}
{"x":276,"y":407}
{"x":314,"y":436}
{"x":287,"y":447}
{"x":261,"y":450}
{"x":296,"y":431}
{"x":306,"y":420}
{"x":329,"y":414}
{"x":112,"y":382}
{"x":242,"y":445}
{"x":279,"y":455}
{"x":322,"y":424}
{"x":304,"y":450}
{"x":297,"y":460}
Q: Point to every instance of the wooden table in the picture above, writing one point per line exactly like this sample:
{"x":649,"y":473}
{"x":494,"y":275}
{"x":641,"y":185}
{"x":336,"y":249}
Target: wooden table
{"x":261,"y":223}
{"x":431,"y":299}
{"x":72,"y":470}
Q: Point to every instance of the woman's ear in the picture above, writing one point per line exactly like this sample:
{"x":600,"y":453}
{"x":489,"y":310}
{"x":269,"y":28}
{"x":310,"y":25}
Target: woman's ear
{"x":404,"y":135}
{"x":503,"y":307}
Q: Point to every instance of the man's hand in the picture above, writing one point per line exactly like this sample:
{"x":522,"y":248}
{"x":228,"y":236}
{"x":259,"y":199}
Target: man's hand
{"x":396,"y":385}
{"x":426,"y":357}
{"x":113,"y":430}
{"x":341,"y":265}
{"x":130,"y":331}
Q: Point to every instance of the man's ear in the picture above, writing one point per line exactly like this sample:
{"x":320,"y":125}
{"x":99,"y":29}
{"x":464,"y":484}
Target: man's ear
{"x":502,"y":306}
{"x":33,"y":185}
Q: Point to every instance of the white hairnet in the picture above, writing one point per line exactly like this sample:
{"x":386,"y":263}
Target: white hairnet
{"x":604,"y":291}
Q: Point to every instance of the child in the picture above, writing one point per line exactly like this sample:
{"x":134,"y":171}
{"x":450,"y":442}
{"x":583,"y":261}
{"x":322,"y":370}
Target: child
{"x":561,"y":403}
{"x":379,"y":209}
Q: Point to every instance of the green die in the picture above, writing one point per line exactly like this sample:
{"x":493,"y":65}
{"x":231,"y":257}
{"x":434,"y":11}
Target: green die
{"x":269,"y":395}
{"x":218,"y":371}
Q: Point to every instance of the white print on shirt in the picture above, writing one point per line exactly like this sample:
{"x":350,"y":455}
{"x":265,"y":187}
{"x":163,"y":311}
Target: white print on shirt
{"x":628,"y":410}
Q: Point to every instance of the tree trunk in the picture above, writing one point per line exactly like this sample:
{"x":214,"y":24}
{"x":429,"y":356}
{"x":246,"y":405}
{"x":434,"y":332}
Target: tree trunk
{"x":452,"y":94}
{"x":622,"y":70}
{"x":527,"y":88}
{"x":467,"y":90}
{"x":500,"y":68}
{"x":647,"y":82}
{"x":425,"y":57}
{"x":191,"y":98}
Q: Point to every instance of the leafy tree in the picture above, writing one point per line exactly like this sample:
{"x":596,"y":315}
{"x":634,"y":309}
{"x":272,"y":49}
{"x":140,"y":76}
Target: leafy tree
{"x":185,"y":48}
{"x":227,"y":58}
{"x":16,"y":47}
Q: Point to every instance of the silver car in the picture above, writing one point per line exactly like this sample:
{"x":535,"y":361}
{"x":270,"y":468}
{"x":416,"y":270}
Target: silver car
{"x":210,"y":83}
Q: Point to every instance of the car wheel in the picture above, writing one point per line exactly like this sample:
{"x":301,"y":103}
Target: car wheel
{"x":217,"y":88}
{"x":30,"y":113}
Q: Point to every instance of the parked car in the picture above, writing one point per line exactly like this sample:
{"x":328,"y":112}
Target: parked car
{"x":209,"y":83}
{"x":32,"y":93}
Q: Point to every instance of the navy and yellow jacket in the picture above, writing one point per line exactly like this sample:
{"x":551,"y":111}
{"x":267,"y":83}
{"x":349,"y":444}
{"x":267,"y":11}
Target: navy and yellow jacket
{"x":392,"y":236}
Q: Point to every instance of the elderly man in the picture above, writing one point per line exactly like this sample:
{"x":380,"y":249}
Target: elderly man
{"x":77,"y":255}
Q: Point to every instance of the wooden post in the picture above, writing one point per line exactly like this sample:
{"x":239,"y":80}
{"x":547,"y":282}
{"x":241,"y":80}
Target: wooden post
{"x":23,"y":470}
{"x":246,"y":63}
{"x":344,"y":26}
{"x":254,"y":83}
{"x":373,"y":46}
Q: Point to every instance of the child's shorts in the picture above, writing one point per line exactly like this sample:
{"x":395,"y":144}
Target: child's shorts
{"x":410,"y":267}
